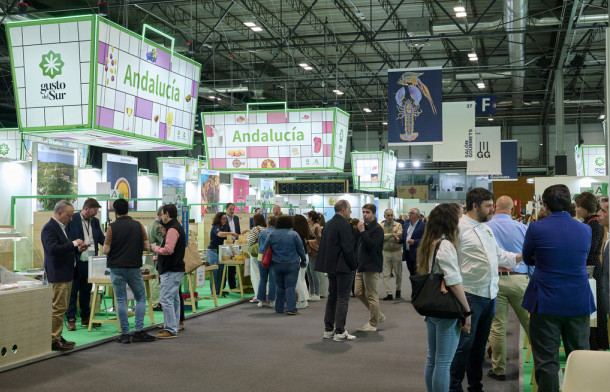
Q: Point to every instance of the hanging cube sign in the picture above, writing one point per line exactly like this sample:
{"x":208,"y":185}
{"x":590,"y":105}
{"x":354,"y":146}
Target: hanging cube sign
{"x":87,"y":80}
{"x":312,"y":140}
{"x":374,"y":171}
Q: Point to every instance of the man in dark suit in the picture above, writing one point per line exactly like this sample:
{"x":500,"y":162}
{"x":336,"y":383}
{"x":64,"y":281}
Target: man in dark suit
{"x":84,"y":225}
{"x":558,"y":295}
{"x":257,"y":211}
{"x":233,"y":222}
{"x":604,"y":221}
{"x":336,"y":258}
{"x":59,"y":260}
{"x":412,"y":232}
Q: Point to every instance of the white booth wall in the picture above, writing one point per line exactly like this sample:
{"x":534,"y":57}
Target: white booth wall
{"x":16,"y":179}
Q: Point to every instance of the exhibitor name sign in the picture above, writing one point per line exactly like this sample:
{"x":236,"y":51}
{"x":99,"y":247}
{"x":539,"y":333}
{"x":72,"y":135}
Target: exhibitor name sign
{"x":312,"y":140}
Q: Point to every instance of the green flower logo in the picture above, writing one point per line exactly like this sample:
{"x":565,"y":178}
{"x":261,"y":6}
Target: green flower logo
{"x":4,"y":149}
{"x":600,"y":161}
{"x":51,"y":64}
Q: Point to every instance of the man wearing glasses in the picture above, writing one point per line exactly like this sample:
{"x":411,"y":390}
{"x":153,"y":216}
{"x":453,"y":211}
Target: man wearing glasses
{"x":412,"y":232}
{"x":84,"y":225}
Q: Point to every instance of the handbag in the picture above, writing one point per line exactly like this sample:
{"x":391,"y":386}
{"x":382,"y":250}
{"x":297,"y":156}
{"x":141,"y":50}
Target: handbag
{"x":266,"y":262}
{"x":192,"y":260}
{"x":431,"y":298}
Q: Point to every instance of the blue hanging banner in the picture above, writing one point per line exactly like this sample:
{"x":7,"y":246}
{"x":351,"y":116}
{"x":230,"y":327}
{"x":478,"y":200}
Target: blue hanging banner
{"x":509,"y":162}
{"x":185,"y":222}
{"x":415,"y":105}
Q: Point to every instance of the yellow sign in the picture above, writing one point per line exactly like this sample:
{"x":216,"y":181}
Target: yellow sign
{"x":412,"y":192}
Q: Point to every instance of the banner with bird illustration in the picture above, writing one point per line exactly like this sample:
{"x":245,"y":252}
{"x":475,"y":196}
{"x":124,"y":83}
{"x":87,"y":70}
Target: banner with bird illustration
{"x":415,"y":106}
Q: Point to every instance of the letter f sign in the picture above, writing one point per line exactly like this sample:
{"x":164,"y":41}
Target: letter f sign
{"x":485,"y":103}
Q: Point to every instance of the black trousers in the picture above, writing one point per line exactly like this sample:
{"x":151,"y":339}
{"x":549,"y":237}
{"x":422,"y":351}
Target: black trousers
{"x":81,"y":289}
{"x":545,"y":331}
{"x":339,"y":289}
{"x":411,"y":264}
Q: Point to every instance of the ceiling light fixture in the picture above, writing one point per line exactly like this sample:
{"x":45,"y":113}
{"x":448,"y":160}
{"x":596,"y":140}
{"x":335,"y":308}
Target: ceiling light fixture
{"x":459,"y":8}
{"x":308,"y":68}
{"x":385,"y":123}
{"x":250,"y":24}
{"x":490,"y":119}
{"x":303,"y":65}
{"x":481,"y":85}
{"x":212,"y":97}
{"x":401,"y":164}
{"x":461,"y":14}
{"x":338,"y":92}
{"x":472,"y":57}
{"x":102,"y":8}
{"x":416,"y":164}
{"x":257,"y":29}
{"x":367,"y":110}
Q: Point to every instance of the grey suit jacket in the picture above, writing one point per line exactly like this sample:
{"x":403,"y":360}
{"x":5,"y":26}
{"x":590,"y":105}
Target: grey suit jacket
{"x":605,"y":300}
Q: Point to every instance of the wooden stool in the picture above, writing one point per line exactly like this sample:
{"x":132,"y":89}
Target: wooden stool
{"x":192,"y":285}
{"x":237,"y":264}
{"x":106,"y":282}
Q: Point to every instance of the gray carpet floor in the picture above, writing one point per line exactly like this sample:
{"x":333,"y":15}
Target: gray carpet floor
{"x":255,"y":349}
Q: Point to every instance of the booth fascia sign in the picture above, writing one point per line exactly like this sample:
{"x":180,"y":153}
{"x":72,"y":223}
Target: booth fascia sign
{"x":281,"y":141}
{"x":192,"y":165}
{"x":374,"y":171}
{"x":87,"y":80}
{"x":590,"y":160}
{"x":11,"y":145}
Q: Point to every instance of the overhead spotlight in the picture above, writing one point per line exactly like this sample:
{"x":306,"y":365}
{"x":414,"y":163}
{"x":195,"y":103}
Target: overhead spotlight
{"x":190,"y":48}
{"x":601,"y":117}
{"x":490,"y":119}
{"x":461,"y":15}
{"x":385,"y":123}
{"x":416,"y":163}
{"x":303,"y":65}
{"x":481,"y":85}
{"x":338,"y":92}
{"x":250,"y":24}
{"x":472,"y":57}
{"x":460,"y":10}
{"x":257,"y":29}
{"x":401,"y":165}
{"x":22,"y":8}
{"x":367,"y":110}
{"x":308,"y":68}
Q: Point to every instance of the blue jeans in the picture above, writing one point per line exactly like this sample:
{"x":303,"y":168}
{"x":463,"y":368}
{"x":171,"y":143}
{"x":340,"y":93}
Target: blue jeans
{"x":285,"y":275}
{"x":443,"y":337}
{"x":213,"y":260}
{"x":169,"y":298}
{"x":470,"y":353}
{"x":312,"y":276}
{"x":120,"y":278}
{"x":262,"y":284}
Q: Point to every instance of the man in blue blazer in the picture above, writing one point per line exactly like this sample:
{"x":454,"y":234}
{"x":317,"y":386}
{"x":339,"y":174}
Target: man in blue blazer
{"x":412,"y":232}
{"x":558,"y":295}
{"x":84,"y":225}
{"x":59,"y":260}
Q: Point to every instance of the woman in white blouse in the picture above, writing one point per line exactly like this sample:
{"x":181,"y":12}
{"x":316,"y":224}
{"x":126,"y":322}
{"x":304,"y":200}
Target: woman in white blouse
{"x":443,"y":334}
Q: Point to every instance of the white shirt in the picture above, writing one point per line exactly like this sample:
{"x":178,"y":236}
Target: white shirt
{"x":231,"y":223}
{"x":447,"y":263}
{"x":479,"y":258}
{"x":410,"y":231}
{"x":88,"y":238}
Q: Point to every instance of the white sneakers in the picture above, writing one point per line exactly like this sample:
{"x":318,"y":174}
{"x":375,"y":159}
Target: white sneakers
{"x":328,"y":335}
{"x":367,"y":328}
{"x":302,"y":304}
{"x":344,"y":337}
{"x":314,"y":298}
{"x":260,"y":304}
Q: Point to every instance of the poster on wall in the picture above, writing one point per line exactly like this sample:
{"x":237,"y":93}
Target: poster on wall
{"x":174,"y":176}
{"x":10,"y":144}
{"x":312,"y":140}
{"x":458,"y":133}
{"x":590,"y":160}
{"x":241,"y":189}
{"x":210,"y":191}
{"x":488,"y":151}
{"x":412,"y":192}
{"x":509,"y":162}
{"x":56,"y":173}
{"x":415,"y":106}
{"x":267,"y":190}
{"x":121,"y":172}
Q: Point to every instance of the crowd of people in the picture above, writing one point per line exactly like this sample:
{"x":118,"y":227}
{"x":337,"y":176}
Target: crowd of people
{"x":489,"y":261}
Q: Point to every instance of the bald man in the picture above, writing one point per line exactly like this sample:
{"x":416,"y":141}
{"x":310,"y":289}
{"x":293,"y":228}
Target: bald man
{"x":512,"y":284}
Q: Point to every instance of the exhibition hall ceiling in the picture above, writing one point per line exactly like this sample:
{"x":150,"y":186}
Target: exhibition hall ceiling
{"x":306,"y":51}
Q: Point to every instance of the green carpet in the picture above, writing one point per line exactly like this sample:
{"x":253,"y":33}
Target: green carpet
{"x":109,"y":330}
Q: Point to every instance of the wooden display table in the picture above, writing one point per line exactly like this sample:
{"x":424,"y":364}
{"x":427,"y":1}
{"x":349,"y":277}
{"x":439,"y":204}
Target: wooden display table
{"x":240,"y":276}
{"x":106,"y":282}
{"x":192,"y":285}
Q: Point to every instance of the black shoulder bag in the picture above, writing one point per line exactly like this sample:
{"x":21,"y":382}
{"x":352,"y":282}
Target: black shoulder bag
{"x":431,"y":298}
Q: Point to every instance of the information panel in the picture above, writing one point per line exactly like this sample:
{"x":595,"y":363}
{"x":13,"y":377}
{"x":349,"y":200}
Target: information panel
{"x":285,"y":141}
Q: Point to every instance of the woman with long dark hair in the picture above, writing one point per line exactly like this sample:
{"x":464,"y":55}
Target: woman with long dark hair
{"x":219,"y":232}
{"x":302,"y":229}
{"x":288,"y":254}
{"x":312,"y":251}
{"x":443,"y":334}
{"x":586,"y":209}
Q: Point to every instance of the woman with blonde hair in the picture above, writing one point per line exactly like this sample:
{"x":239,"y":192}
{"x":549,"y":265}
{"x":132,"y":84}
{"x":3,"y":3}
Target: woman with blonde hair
{"x":440,"y":240}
